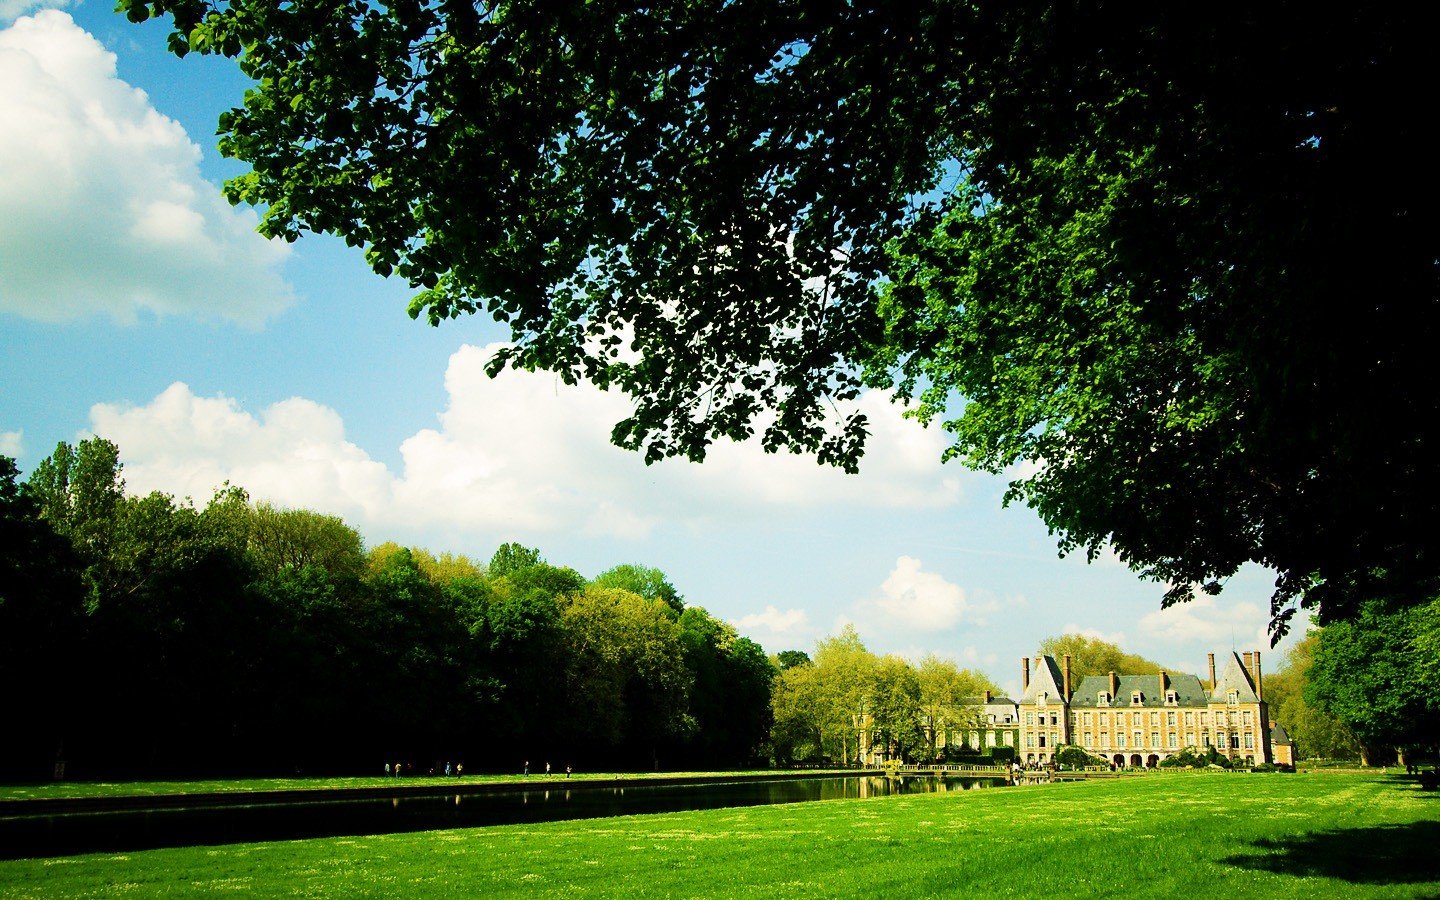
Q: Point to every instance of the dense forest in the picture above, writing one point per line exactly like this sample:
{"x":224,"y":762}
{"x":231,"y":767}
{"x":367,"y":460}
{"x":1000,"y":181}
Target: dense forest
{"x":146,"y":635}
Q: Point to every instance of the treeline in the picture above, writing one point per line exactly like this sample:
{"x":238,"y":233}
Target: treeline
{"x":148,"y":635}
{"x":824,"y":703}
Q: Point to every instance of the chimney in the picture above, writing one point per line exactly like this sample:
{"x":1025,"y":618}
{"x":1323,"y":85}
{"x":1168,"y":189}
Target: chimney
{"x":1245,"y":657}
{"x":1211,"y":656}
{"x":1025,"y":683}
{"x":1259,"y":684}
{"x":987,"y":696}
{"x":1067,"y":678}
{"x":1114,"y":685}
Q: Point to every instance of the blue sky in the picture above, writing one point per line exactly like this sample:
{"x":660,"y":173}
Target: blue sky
{"x":135,"y":304}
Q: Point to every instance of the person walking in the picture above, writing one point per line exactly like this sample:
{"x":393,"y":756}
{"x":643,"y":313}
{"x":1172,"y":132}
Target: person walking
{"x":526,"y":773}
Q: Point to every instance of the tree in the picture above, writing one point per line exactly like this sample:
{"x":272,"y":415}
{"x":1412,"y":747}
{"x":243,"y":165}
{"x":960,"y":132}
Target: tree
{"x":510,"y":558}
{"x":40,"y":628}
{"x":1120,"y":235}
{"x":295,"y":538}
{"x":1316,"y":732}
{"x":949,"y":698}
{"x":893,"y":701}
{"x":789,"y":659}
{"x":1093,"y":656}
{"x":1370,"y":675}
{"x":645,"y":581}
{"x":730,"y":687}
{"x":625,"y":673}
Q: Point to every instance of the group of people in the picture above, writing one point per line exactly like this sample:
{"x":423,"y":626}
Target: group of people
{"x":395,"y":770}
{"x":526,"y":770}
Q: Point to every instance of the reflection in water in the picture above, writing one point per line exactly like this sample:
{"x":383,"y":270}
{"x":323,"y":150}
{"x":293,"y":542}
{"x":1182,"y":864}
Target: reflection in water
{"x":56,"y":835}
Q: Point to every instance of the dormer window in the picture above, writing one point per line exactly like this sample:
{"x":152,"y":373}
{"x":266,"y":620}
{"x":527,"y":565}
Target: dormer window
{"x":1232,"y":698}
{"x":1171,"y":698}
{"x":1137,"y":699}
{"x":1102,"y":698}
{"x":1040,"y":699}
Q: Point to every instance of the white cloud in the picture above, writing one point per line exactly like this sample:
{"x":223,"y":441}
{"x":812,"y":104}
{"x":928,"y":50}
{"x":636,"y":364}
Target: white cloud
{"x":518,"y":455}
{"x":912,"y":597}
{"x":1112,"y":637}
{"x":1206,"y":621}
{"x":12,"y":443}
{"x":776,"y":629}
{"x":102,"y":207}
{"x":10,"y":10}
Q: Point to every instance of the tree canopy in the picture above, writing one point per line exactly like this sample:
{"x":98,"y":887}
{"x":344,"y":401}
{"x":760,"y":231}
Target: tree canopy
{"x":1095,"y":656}
{"x":1176,"y":257}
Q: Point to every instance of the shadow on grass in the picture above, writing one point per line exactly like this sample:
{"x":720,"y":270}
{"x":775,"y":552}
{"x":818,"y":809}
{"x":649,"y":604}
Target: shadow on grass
{"x":1384,"y":854}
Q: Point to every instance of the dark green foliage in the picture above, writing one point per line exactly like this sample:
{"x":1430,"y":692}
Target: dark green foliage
{"x":1180,"y":257}
{"x":1376,"y":676}
{"x":1195,"y":757}
{"x":155,"y":637}
{"x":1072,"y":757}
{"x":789,"y":659}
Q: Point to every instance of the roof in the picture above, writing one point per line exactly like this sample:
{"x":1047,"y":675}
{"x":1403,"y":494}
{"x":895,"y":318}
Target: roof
{"x":1278,"y":735}
{"x":1046,"y":679}
{"x":1235,"y":678}
{"x":1188,"y":689}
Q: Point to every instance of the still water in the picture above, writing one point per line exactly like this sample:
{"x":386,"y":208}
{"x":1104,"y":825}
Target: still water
{"x":90,"y":832}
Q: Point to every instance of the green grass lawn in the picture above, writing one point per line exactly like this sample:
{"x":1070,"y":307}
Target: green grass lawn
{"x":63,"y":789}
{"x":1308,"y":836}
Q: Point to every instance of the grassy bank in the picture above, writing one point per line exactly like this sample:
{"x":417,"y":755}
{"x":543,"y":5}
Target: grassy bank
{"x":63,"y":789}
{"x":1257,"y":836}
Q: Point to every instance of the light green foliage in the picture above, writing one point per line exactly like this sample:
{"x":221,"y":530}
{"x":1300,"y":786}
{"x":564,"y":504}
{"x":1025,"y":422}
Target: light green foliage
{"x":948,"y":698}
{"x":648,"y":582}
{"x":625,"y":671}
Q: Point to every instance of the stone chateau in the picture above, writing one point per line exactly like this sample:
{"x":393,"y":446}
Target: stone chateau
{"x":1133,"y":720}
{"x":1139,"y":720}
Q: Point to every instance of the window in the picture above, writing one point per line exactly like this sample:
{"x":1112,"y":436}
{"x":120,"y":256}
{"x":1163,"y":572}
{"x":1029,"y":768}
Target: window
{"x":1171,"y":698}
{"x":1245,"y":718}
{"x":1120,"y":739}
{"x":1136,"y":718}
{"x":1173,"y":741}
{"x":1102,"y":698}
{"x":1190,"y":718}
{"x":1007,"y":720}
{"x":1154,"y":739}
{"x":1202,"y":719}
{"x":1040,"y":699}
{"x":1104,"y":719}
{"x":1009,"y":738}
{"x":1029,"y":718}
{"x":1234,"y":742}
{"x":1137,"y":699}
{"x":1232,"y":698}
{"x":1087,"y":718}
{"x":992,"y":720}
{"x":1189,"y":739}
{"x":1249,"y":741}
{"x":990,"y":739}
{"x":1139,"y":740}
{"x":1042,"y":740}
{"x":1170,"y":719}
{"x":1154,"y":719}
{"x":1054,"y":719}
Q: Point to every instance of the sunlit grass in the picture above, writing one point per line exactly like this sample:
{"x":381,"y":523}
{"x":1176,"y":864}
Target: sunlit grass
{"x":1310,"y":836}
{"x":62,"y":789}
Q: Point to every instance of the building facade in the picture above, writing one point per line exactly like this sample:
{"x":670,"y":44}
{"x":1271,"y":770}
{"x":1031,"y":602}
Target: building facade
{"x":1139,"y":720}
